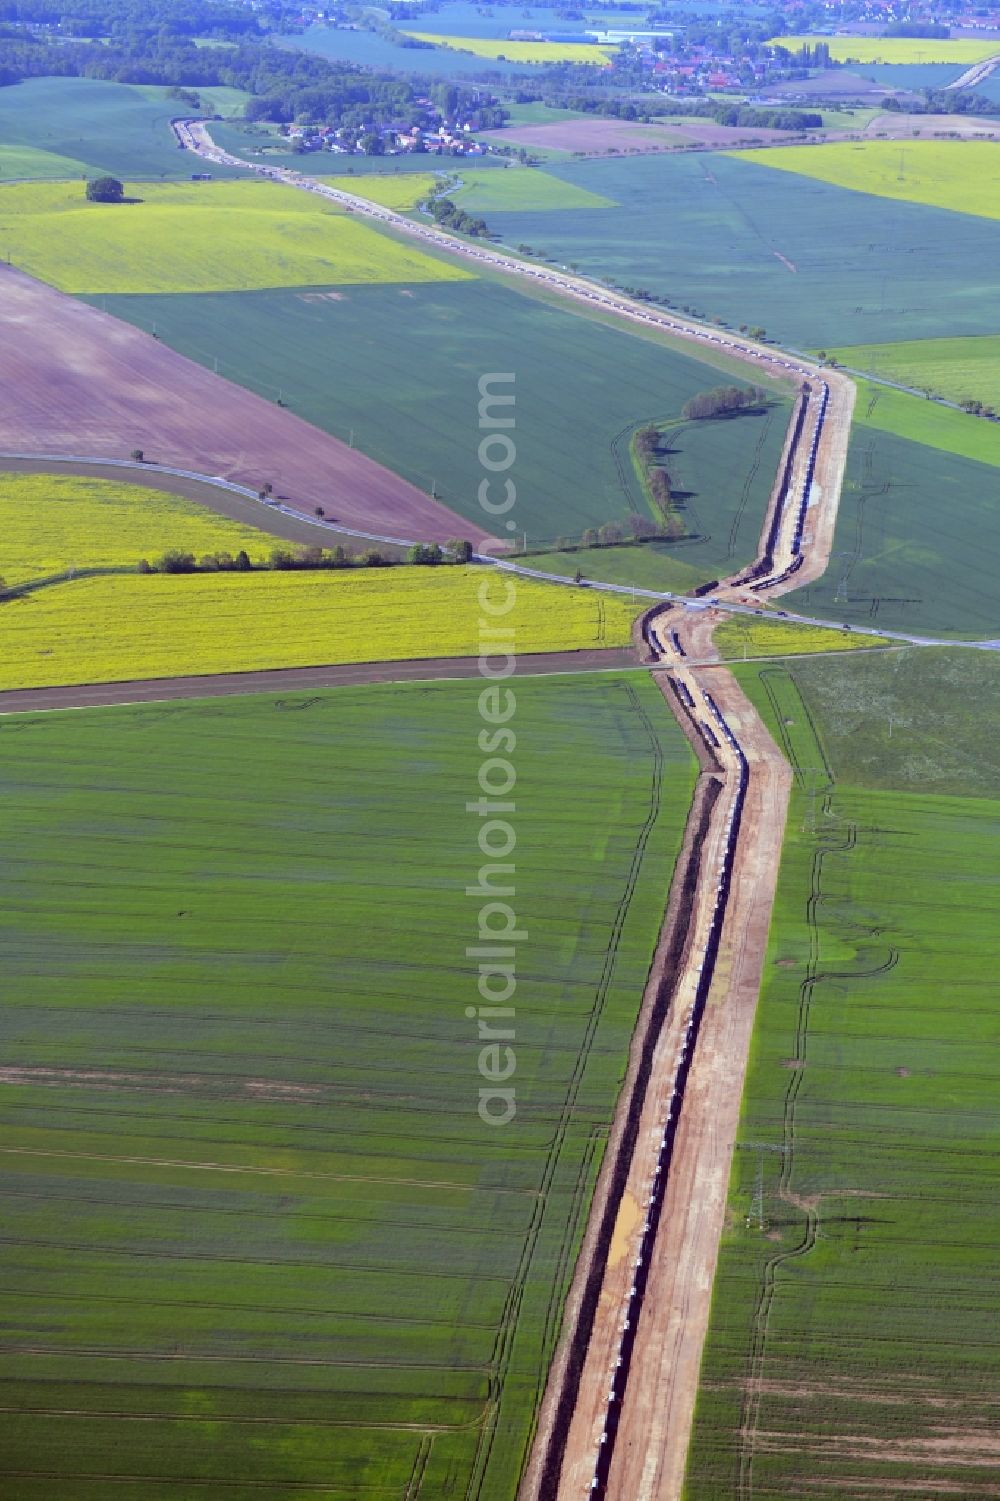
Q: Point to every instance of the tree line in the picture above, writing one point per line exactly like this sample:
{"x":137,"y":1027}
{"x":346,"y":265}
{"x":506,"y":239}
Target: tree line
{"x":306,"y":558}
{"x":747,"y":117}
{"x":152,"y":42}
{"x":724,"y":401}
{"x":446,"y":212}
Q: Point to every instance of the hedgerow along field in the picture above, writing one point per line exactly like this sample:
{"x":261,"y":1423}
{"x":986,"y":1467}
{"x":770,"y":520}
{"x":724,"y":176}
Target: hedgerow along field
{"x":257,"y":1236}
{"x":854,"y":1337}
{"x":962,"y":176}
{"x":722,"y":471}
{"x":200,"y":237}
{"x":707,"y":231}
{"x":396,"y":372}
{"x":958,"y":369}
{"x":101,"y":127}
{"x":115,"y":629}
{"x":51,"y":523}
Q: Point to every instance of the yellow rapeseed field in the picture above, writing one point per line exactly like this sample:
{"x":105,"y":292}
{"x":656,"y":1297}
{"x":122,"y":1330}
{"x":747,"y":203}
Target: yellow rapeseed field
{"x":132,"y":626}
{"x":963,"y":176}
{"x":895,"y":49}
{"x":782,"y":638}
{"x":49,"y":523}
{"x":200,"y":237}
{"x":521,"y":52}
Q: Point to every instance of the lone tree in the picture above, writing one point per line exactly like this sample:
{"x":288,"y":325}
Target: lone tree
{"x":105,"y":190}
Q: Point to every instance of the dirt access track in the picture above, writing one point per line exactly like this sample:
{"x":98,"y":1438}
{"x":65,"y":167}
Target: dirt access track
{"x":79,"y":382}
{"x":616,"y":1419}
{"x":304,"y":679}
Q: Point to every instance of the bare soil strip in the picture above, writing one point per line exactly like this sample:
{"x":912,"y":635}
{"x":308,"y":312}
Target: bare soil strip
{"x":78,"y":382}
{"x":656,"y":1411}
{"x":651,"y":1451}
{"x":302,"y":679}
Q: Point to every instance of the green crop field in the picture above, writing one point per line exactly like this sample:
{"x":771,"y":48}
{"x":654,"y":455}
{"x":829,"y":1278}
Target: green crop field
{"x":397,"y":370}
{"x":480,"y":190}
{"x":647,"y":565}
{"x":915,"y":541}
{"x":257,"y":1238}
{"x":816,"y":265}
{"x":521,"y":188}
{"x":200,"y":237}
{"x":910,"y":77}
{"x":26,"y":163}
{"x":536,"y":113}
{"x":902,"y":719}
{"x":958,"y":369}
{"x":401,"y":192}
{"x":868,"y":49}
{"x":51,"y":523}
{"x":855,"y":1336}
{"x":97,"y":127}
{"x":909,"y":416}
{"x":963,"y":176}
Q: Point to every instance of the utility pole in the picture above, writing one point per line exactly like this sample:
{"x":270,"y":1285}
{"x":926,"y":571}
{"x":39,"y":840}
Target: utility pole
{"x":756,"y":1212}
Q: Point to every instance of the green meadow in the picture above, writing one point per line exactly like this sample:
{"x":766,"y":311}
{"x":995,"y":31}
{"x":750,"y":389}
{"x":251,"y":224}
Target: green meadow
{"x":520,"y":188}
{"x":257,"y":1238}
{"x":957,"y":369}
{"x":194,"y":237}
{"x":84,"y":125}
{"x":855,"y":1336}
{"x":917,"y":529}
{"x":396,"y":369}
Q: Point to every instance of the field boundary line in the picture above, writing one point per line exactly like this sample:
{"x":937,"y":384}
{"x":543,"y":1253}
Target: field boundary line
{"x":487,"y":559}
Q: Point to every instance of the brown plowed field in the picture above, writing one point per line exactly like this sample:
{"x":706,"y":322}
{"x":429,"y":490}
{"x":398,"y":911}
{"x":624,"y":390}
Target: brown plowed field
{"x":76,"y":381}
